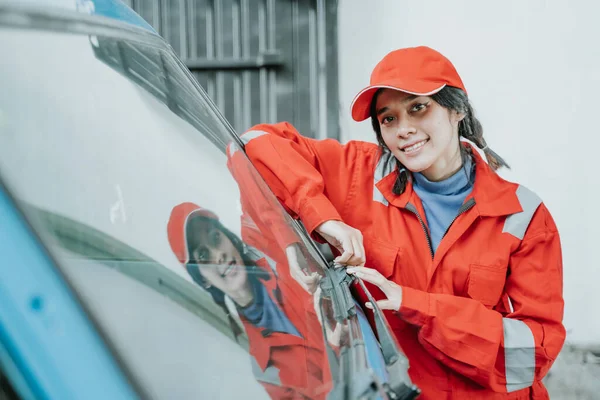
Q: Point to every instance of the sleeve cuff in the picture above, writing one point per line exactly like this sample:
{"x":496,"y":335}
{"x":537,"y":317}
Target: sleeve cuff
{"x":315,"y":211}
{"x":286,"y":237}
{"x":415,"y":307}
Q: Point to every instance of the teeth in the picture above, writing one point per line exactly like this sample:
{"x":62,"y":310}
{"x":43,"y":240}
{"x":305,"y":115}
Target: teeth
{"x":415,"y":146}
{"x":227,"y":270}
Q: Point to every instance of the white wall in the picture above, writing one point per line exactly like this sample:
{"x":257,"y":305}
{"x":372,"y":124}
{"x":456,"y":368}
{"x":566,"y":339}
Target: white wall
{"x":531,"y":69}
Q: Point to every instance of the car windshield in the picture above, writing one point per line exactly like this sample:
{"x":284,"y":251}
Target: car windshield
{"x":158,"y":221}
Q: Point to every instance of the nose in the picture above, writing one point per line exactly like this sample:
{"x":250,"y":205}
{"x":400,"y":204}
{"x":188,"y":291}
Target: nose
{"x":221,"y":257}
{"x":405,"y":128}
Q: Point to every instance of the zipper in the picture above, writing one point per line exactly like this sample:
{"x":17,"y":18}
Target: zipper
{"x":463,"y":209}
{"x":413,"y":210}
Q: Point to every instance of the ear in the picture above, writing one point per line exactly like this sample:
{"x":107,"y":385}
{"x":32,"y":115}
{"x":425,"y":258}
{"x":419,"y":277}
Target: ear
{"x":456,"y":117}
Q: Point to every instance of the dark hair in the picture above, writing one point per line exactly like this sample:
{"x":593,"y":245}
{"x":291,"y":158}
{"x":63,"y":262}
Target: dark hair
{"x":469,"y":127}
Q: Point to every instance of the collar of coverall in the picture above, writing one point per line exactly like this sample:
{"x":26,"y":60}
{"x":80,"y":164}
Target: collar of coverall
{"x":493,"y":195}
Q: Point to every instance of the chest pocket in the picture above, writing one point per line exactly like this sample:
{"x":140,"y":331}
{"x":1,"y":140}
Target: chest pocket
{"x":380,"y":255}
{"x":486,"y":283}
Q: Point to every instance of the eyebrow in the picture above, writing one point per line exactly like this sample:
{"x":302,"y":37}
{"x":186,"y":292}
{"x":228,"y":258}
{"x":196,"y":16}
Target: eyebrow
{"x":405,"y":100}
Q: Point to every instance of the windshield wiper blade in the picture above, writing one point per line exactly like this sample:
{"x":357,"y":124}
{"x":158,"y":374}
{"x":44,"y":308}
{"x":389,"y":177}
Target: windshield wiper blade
{"x":355,"y":380}
{"x":336,"y":285}
{"x":400,"y":386}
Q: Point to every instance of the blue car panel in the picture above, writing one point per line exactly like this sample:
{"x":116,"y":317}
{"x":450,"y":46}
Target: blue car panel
{"x":43,"y":328}
{"x":117,"y":10}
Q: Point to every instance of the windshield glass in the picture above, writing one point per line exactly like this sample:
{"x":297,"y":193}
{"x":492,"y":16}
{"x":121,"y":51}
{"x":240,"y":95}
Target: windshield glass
{"x":177,"y":248}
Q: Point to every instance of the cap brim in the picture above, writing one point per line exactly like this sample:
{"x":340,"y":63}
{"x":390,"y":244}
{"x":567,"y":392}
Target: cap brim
{"x":360,"y":108}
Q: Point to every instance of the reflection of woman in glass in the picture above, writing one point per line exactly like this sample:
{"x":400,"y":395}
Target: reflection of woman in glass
{"x":284,"y":338}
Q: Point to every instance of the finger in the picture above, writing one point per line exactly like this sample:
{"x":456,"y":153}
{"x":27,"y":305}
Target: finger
{"x":382,"y":304}
{"x":355,"y":261}
{"x":344,"y":257}
{"x":359,"y":251}
{"x":364,"y":270}
{"x":368,"y":275}
{"x":347,"y":254}
{"x":309,"y":280}
{"x":314,"y":282}
{"x":357,"y":258}
{"x":302,"y":280}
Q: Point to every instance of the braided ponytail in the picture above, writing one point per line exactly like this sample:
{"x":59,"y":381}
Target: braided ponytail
{"x":470,"y":128}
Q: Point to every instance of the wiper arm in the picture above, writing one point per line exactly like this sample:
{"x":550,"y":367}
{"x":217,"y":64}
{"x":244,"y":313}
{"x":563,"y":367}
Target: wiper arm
{"x":336,"y":285}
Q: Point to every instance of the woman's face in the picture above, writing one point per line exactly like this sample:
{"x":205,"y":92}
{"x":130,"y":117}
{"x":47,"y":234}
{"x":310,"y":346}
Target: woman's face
{"x":420,"y":133}
{"x":223,"y":265}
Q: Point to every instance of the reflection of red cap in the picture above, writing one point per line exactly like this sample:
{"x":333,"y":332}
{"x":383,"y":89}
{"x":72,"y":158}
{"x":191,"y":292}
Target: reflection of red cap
{"x":421,"y":71}
{"x":176,"y":227}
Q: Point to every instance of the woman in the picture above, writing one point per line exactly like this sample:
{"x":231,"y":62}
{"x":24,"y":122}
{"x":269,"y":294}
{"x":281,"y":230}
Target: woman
{"x":283,"y":331}
{"x":469,"y":264}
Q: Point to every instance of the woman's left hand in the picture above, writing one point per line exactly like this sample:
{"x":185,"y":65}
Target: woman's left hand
{"x":309,"y":281}
{"x":392,"y":290}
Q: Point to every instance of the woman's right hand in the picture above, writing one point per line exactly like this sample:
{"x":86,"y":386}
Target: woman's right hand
{"x":346,"y":239}
{"x":299,"y":270}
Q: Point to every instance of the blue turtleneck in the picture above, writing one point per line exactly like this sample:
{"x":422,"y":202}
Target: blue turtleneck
{"x":441,"y":200}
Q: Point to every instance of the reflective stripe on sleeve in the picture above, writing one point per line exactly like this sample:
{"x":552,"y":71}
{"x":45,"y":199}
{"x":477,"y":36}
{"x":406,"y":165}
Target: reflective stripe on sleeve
{"x":519,"y":354}
{"x":248,"y":136}
{"x":231,"y":149}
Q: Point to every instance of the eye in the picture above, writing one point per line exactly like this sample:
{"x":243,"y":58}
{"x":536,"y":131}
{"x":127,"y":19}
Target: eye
{"x":418,"y":107}
{"x":386,"y":120}
{"x":202,"y":254}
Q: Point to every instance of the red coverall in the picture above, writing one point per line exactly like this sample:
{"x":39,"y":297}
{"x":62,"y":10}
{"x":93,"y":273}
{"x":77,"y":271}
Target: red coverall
{"x":482,"y":318}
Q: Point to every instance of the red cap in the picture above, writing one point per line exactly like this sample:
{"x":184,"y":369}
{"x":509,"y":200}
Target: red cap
{"x":178,"y":220}
{"x":421,"y":71}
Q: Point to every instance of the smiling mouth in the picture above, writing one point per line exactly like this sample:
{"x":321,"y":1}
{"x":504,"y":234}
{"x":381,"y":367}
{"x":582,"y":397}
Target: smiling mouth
{"x":415,"y":146}
{"x":229,"y":268}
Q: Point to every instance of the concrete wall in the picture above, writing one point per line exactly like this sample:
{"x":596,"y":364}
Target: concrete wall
{"x":531,"y":69}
